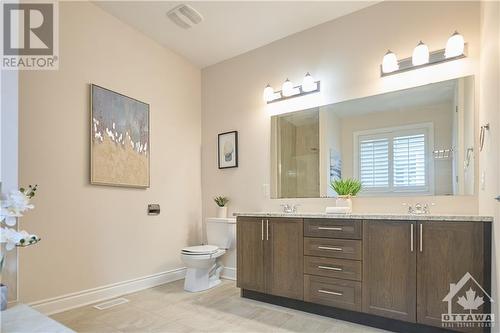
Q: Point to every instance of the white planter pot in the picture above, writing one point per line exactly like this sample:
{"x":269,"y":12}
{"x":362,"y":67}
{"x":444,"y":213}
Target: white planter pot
{"x":222,"y":212}
{"x":344,"y":202}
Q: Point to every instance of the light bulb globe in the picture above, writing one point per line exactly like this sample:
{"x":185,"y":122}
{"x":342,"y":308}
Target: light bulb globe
{"x":420,"y":54}
{"x":454,"y":46}
{"x":390,"y":62}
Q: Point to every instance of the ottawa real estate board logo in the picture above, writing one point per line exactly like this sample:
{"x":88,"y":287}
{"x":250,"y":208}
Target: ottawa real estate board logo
{"x":30,"y":35}
{"x":468,"y":305}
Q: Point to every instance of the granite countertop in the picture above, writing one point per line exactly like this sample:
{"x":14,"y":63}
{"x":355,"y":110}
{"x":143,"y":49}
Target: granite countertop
{"x":357,"y":216}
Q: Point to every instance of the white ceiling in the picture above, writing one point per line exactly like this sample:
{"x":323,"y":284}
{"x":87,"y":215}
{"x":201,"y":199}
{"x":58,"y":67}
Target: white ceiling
{"x":229,"y":28}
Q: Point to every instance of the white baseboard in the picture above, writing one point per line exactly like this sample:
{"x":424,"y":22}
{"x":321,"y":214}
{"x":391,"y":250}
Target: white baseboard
{"x":69,"y":301}
{"x":228,"y":273}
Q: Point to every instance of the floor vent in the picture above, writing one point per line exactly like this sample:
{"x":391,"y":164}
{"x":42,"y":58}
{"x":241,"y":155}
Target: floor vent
{"x":110,"y":304}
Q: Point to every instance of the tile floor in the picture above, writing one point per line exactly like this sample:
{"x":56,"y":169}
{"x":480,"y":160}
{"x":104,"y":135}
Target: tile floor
{"x":168,"y":308}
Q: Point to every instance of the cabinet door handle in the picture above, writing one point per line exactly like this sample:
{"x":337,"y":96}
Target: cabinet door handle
{"x":421,"y":237}
{"x":329,"y":292}
{"x":330,"y":228}
{"x":267,"y":229}
{"x":262,"y":229}
{"x":411,"y":237}
{"x":321,"y":247}
{"x":330,"y":268}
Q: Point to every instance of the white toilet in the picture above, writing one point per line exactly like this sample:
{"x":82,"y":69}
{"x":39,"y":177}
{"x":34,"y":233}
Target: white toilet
{"x":203,"y":272}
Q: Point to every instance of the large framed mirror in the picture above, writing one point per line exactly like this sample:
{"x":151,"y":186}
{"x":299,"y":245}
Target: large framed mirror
{"x":417,"y":141}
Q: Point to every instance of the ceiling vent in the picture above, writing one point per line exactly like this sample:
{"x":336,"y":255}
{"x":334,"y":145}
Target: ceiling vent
{"x":185,"y":16}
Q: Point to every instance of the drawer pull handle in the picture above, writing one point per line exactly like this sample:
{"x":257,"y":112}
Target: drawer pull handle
{"x":330,"y":292}
{"x":330,"y":248}
{"x":330,"y":228}
{"x":330,"y":268}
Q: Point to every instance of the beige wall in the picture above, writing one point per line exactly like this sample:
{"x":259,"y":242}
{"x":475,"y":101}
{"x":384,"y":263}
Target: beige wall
{"x":489,"y":112}
{"x":345,"y":54}
{"x":348,"y":66}
{"x":95,"y":235}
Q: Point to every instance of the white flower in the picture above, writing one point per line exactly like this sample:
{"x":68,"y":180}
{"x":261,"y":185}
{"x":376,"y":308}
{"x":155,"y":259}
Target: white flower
{"x":13,"y":238}
{"x":14,"y":205}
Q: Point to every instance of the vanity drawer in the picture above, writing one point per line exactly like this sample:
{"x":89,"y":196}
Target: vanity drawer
{"x":332,"y":228}
{"x":330,"y":267}
{"x":334,"y":248}
{"x":332,"y":292}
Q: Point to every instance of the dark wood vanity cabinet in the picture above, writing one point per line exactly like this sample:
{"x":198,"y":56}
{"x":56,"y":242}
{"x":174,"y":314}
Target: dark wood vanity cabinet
{"x":333,"y":262}
{"x":373,"y":269}
{"x":389,"y":269}
{"x":408,"y":267}
{"x":271,"y":256}
{"x":250,"y":252}
{"x":446,"y":252}
{"x":284,"y":254}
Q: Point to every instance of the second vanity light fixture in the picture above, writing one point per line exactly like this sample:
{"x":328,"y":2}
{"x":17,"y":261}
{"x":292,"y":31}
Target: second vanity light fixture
{"x":289,"y":90}
{"x":455,"y":49}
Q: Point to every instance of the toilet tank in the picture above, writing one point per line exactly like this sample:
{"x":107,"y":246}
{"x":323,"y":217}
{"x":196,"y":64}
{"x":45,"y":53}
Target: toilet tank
{"x":221,"y":232}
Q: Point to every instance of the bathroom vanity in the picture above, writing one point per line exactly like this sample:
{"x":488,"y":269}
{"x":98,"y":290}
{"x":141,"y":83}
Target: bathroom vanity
{"x":386,"y":271}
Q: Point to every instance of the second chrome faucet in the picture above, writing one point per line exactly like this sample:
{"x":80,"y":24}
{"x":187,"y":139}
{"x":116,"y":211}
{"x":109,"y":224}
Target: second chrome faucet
{"x":418,"y":208}
{"x":287,"y":208}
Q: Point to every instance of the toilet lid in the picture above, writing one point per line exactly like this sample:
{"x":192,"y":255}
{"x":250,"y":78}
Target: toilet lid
{"x":200,"y":249}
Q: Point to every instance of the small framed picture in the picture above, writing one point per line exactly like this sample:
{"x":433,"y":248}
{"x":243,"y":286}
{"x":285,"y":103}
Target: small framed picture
{"x":228,"y":150}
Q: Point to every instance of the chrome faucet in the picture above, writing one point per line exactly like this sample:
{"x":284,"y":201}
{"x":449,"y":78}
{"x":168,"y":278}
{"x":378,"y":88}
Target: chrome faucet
{"x":418,"y":208}
{"x":287,"y":208}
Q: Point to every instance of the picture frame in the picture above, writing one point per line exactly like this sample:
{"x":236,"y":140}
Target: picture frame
{"x":227,"y":150}
{"x":120,"y":130}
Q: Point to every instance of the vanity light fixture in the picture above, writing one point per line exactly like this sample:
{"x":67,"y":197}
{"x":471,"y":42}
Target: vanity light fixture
{"x":288,"y":90}
{"x":420,"y":54}
{"x":455,"y":49}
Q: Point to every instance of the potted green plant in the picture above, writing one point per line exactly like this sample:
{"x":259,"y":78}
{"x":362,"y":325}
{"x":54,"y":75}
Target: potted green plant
{"x":345,"y":189}
{"x":221,"y":206}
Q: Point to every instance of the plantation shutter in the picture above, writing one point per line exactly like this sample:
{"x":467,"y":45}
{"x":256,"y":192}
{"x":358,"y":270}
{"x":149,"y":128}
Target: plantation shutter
{"x":409,"y":161}
{"x":374,"y":162}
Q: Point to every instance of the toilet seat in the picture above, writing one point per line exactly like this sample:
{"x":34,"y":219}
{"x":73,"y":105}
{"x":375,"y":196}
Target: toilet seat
{"x":200,"y":249}
{"x":200,"y":256}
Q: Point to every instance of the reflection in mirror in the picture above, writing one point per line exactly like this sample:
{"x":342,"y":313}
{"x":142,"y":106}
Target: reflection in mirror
{"x":297,"y":153}
{"x":418,"y":141}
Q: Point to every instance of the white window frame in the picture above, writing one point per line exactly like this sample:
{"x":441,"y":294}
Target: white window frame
{"x":390,"y":133}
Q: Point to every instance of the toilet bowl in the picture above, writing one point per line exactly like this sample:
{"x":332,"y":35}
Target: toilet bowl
{"x":202,"y":270}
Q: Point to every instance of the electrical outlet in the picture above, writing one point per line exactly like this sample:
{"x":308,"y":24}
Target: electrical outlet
{"x":483,"y":180}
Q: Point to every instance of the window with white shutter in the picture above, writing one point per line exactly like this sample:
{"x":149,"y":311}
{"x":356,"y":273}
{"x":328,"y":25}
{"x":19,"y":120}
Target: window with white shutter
{"x":394,"y":160}
{"x":374,"y":163}
{"x":409,"y":161}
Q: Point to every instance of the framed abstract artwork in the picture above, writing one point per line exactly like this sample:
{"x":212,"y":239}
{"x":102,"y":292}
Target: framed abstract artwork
{"x":228,"y":150}
{"x":120,"y":139}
